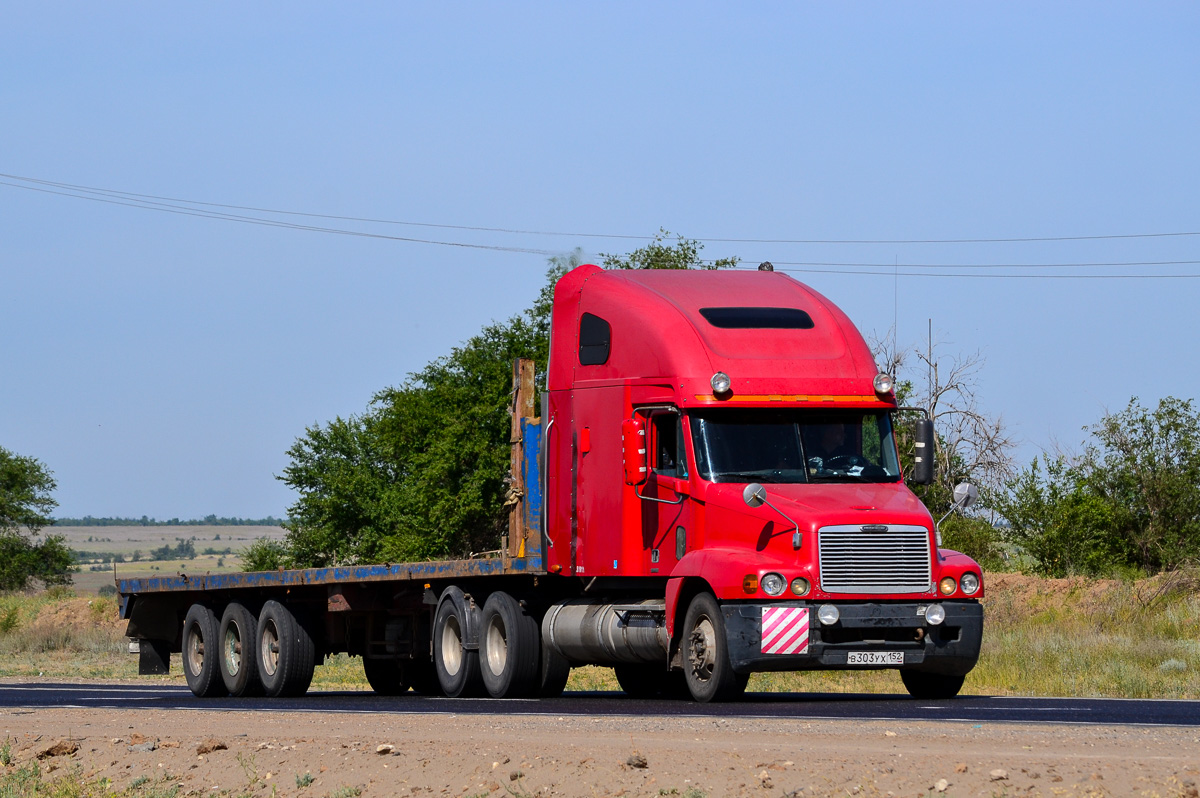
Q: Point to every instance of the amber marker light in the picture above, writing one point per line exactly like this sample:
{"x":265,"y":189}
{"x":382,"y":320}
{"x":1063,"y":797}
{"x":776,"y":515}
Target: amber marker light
{"x":750,"y":583}
{"x":947,"y":585}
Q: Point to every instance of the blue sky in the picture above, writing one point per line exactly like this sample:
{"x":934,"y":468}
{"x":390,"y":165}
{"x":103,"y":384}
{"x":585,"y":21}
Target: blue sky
{"x":162,"y":364}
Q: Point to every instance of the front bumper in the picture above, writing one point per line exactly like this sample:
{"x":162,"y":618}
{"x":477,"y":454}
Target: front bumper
{"x":951,"y":647}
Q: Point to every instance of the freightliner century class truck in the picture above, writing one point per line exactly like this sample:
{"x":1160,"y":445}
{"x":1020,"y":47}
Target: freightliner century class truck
{"x":712,"y":489}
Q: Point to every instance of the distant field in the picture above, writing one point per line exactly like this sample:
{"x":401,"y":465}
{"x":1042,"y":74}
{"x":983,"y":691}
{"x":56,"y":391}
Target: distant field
{"x":143,"y":540}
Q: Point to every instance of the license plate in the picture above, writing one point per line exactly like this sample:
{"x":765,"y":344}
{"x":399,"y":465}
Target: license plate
{"x":875,"y":658}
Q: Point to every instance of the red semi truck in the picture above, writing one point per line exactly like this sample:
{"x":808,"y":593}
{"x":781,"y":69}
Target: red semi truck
{"x":712,"y":489}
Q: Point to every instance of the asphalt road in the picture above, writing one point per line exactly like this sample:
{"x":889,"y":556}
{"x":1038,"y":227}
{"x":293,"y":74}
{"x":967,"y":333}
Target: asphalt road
{"x":971,"y":709}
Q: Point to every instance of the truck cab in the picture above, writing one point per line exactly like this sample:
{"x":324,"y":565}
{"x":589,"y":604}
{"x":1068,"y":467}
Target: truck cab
{"x":727,"y":433}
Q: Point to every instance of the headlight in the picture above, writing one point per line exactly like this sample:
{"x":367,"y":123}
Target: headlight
{"x":800,"y":586}
{"x":773,"y":584}
{"x":720,"y":383}
{"x":884,"y":384}
{"x":828,"y":614}
{"x":970,"y":584}
{"x":935,"y":614}
{"x":947,"y":585}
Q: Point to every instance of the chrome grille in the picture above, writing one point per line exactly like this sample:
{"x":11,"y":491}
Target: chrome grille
{"x":894,"y":560}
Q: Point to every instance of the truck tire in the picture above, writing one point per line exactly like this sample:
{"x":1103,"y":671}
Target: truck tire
{"x":553,"y":671}
{"x":286,"y":655}
{"x":201,"y":652}
{"x":239,"y":657}
{"x":386,"y":676}
{"x":457,"y":666}
{"x":706,"y":665}
{"x":931,"y":686}
{"x":509,"y":648}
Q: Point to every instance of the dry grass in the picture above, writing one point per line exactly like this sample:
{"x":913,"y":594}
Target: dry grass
{"x":1043,"y":637}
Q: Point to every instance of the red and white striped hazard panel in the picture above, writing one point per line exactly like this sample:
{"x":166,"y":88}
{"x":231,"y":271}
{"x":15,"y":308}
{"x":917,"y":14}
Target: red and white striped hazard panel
{"x":785,"y":630}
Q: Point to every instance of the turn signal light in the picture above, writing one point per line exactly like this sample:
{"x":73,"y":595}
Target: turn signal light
{"x":947,"y":585}
{"x":750,"y":583}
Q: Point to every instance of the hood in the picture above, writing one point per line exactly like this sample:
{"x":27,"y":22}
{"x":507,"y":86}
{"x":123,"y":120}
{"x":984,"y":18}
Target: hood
{"x":810,"y":506}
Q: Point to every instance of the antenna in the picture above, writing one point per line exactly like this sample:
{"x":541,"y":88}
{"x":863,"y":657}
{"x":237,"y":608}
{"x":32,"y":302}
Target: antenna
{"x":929,"y":344}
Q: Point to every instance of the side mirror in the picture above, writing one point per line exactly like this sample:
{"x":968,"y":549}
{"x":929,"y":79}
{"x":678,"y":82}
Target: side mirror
{"x":755,"y":495}
{"x":633,"y":450}
{"x":965,"y":494}
{"x":923,"y":465}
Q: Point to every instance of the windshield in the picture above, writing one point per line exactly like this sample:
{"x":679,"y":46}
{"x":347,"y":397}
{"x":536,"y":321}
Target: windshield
{"x":778,"y":446}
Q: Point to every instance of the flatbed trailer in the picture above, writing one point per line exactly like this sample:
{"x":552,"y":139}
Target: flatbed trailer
{"x":711,"y":488}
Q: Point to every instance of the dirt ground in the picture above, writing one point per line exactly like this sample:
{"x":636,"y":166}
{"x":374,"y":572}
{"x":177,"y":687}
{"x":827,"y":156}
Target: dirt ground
{"x":524,"y":755}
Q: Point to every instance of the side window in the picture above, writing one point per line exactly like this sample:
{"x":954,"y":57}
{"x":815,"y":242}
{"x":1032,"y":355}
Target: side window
{"x":595,"y":339}
{"x":670,"y":454}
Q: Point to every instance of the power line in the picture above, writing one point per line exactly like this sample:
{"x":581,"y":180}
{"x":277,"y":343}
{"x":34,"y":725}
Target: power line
{"x":142,"y":198}
{"x":183,"y":211}
{"x":944,"y":275}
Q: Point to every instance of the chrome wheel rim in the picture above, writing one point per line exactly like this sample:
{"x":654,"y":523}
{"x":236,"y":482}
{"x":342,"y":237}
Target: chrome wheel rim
{"x":702,"y":647}
{"x":497,"y":646}
{"x":233,"y":650}
{"x":195,"y":651}
{"x":270,"y":648}
{"x":452,"y":652}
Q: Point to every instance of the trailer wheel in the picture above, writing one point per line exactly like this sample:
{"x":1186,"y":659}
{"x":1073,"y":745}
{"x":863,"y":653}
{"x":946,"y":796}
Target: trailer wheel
{"x":706,"y":665}
{"x":239,"y":661}
{"x":200,"y":652}
{"x":509,"y":648}
{"x":553,"y":672}
{"x":457,"y":666}
{"x":286,"y":655}
{"x":930,"y":686}
{"x":386,"y":676}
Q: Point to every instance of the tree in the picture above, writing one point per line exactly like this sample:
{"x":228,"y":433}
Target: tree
{"x":422,"y":473}
{"x":25,"y":504}
{"x":683,"y":254}
{"x":1131,"y":500}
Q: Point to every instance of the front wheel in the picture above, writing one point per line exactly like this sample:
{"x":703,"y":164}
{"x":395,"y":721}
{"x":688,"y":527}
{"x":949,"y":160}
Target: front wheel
{"x":706,"y":665}
{"x":931,"y":686}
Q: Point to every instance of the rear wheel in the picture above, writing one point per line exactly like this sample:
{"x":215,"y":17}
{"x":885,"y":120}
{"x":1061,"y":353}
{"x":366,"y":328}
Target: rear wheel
{"x":509,"y":648}
{"x":239,"y":663}
{"x":286,"y":654}
{"x":386,"y":676}
{"x":706,"y":665}
{"x":200,"y":652}
{"x":457,"y":666}
{"x":930,"y":686}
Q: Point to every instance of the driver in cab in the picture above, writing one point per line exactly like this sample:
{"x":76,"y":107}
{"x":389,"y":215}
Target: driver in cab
{"x":829,"y":448}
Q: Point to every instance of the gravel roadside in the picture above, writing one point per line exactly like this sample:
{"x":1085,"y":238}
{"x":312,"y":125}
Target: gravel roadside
{"x":321,"y":754}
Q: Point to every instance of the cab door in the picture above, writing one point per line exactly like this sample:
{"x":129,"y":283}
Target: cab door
{"x":666,"y":505}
